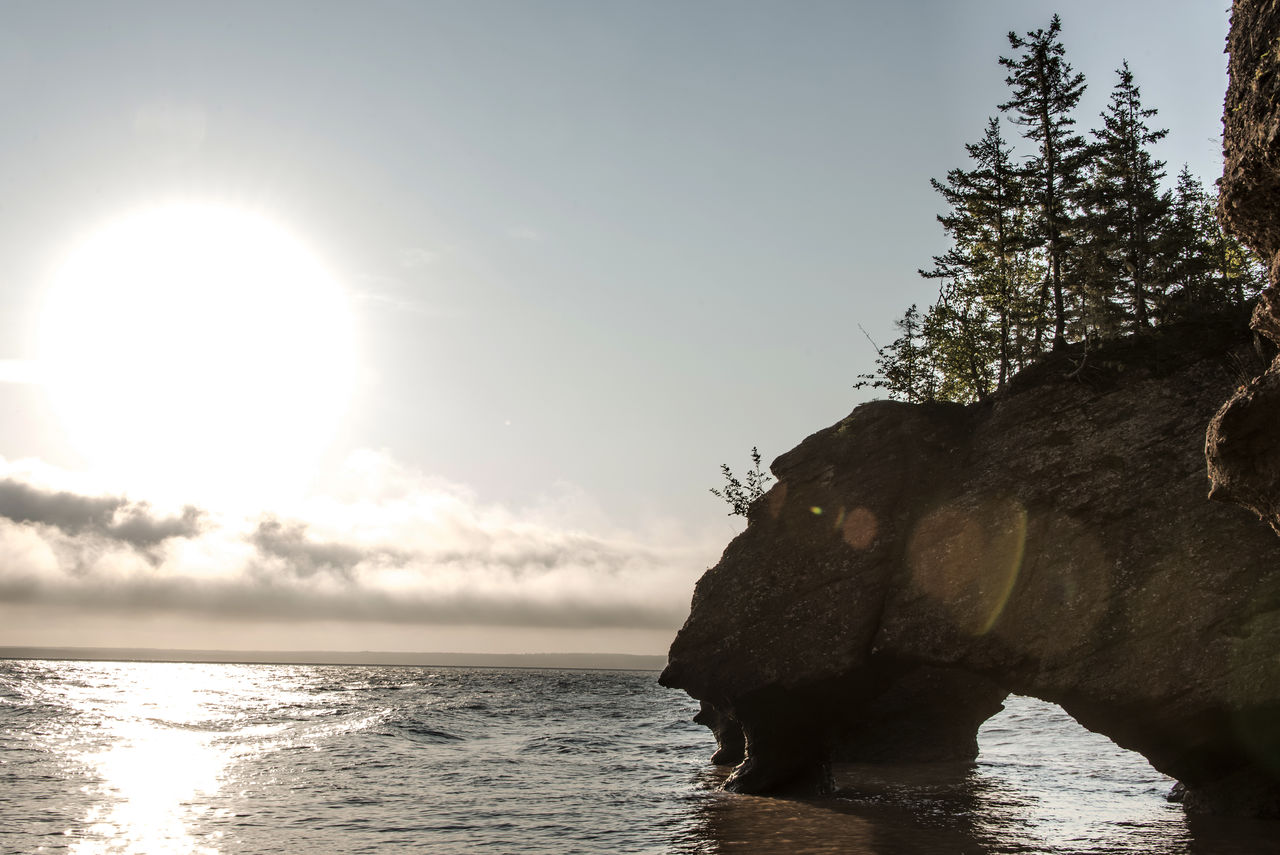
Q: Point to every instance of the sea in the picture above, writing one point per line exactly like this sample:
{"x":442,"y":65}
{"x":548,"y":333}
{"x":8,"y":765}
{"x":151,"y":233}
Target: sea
{"x":151,"y":758}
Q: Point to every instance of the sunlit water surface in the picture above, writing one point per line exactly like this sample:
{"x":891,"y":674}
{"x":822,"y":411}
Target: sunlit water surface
{"x":172,"y":758}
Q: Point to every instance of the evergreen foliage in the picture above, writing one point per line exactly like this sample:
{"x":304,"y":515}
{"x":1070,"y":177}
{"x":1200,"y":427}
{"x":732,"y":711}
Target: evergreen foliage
{"x":1191,"y":219}
{"x":904,"y":368}
{"x":1045,"y":91}
{"x":1077,"y":241}
{"x":986,"y":268}
{"x":1125,"y":222}
{"x":1208,"y":267}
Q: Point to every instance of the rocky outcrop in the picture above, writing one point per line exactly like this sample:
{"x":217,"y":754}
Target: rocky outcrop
{"x":1241,"y":446}
{"x":915,"y":563}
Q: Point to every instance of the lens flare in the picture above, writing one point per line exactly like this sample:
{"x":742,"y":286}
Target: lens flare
{"x":859,"y":528}
{"x":968,"y":557}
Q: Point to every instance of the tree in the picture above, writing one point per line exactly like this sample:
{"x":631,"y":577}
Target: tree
{"x":962,"y":343}
{"x":1126,"y":216}
{"x":904,"y":367}
{"x":741,"y":496}
{"x":987,"y":263}
{"x":1045,"y":91}
{"x":1240,"y":273}
{"x":1080,"y":236}
{"x":1188,"y":244}
{"x":1208,"y":267}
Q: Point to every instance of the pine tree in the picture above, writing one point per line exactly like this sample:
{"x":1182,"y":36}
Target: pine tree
{"x":1207,"y":265}
{"x":963,"y":345}
{"x":905,"y":367}
{"x":1240,"y":273}
{"x":1126,"y":215}
{"x":1045,"y":91}
{"x":1188,"y":245}
{"x":1082,"y":237}
{"x":1237,"y":274}
{"x":988,"y":260}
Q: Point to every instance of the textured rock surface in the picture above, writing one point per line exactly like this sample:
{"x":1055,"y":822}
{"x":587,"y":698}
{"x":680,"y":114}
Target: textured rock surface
{"x":1251,"y":127}
{"x":1241,"y":446}
{"x":914,"y":563}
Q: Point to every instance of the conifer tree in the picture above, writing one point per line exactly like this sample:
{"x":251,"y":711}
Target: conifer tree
{"x":1239,"y":272}
{"x":987,"y":262}
{"x":1188,"y":245}
{"x":1045,"y":91}
{"x":905,"y":367}
{"x":1081,"y":236}
{"x":962,"y":343}
{"x":1208,"y":266}
{"x":1125,"y":212}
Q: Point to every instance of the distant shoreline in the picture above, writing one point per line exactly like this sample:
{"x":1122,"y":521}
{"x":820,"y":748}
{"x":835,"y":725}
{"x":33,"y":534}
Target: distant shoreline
{"x":572,"y":661}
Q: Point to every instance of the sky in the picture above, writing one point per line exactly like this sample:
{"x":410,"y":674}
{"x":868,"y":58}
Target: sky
{"x":426,"y":326}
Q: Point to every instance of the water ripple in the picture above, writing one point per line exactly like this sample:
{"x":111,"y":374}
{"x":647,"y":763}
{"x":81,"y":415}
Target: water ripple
{"x":225,"y":759}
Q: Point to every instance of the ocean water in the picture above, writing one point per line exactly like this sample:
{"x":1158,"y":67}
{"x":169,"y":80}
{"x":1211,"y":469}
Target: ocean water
{"x":196,"y":758}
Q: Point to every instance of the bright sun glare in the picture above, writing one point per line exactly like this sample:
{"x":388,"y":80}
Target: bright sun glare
{"x":200,"y":351}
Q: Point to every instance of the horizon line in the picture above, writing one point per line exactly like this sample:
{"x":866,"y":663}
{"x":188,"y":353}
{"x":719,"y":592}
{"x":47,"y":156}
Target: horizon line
{"x":218,"y":656}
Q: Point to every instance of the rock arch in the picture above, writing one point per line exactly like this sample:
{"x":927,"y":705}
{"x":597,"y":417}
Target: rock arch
{"x":916,"y":562}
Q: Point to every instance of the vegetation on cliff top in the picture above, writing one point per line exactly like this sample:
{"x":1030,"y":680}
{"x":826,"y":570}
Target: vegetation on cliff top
{"x":1076,"y":241}
{"x":738,"y":495}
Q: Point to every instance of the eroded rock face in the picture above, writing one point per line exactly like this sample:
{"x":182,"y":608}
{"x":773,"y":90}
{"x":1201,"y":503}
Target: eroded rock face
{"x":1251,"y":127}
{"x":1241,"y":446}
{"x":915,"y":563}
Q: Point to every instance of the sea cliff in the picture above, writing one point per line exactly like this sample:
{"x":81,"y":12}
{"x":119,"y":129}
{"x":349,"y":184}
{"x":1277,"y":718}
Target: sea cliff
{"x":914,"y":564}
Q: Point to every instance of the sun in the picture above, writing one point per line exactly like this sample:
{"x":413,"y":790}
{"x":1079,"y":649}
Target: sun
{"x":198,"y":349}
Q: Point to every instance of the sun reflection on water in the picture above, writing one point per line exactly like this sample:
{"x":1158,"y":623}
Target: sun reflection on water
{"x":153,"y":760}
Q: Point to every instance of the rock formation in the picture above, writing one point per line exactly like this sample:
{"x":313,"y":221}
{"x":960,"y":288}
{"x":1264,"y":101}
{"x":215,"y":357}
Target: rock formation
{"x":1243,"y":454}
{"x":916,"y":563}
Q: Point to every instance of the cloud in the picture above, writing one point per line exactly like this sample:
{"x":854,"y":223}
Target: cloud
{"x":110,"y":517}
{"x":389,"y":546}
{"x":297,"y":553}
{"x":134,"y":524}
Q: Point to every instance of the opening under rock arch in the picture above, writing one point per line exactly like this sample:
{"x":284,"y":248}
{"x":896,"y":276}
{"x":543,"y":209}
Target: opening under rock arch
{"x":1045,"y":780}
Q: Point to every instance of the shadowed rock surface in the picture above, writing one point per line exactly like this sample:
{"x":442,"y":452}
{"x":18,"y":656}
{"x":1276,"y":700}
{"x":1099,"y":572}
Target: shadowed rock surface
{"x":915,"y":563}
{"x":1241,"y":446}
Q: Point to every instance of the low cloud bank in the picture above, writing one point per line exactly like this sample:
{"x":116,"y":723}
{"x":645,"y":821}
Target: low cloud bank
{"x":392,"y":547}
